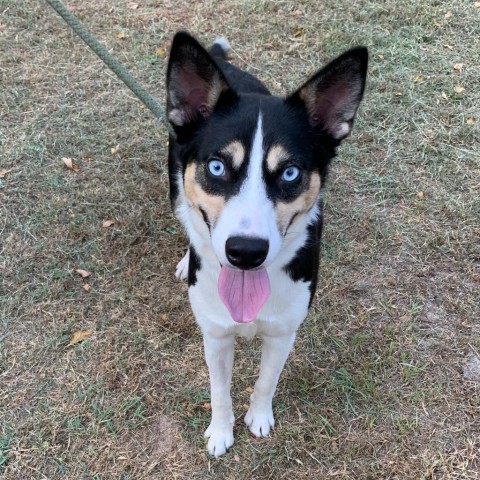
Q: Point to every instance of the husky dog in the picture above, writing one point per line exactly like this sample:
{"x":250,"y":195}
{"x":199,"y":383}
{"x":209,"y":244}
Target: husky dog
{"x":246,"y":172}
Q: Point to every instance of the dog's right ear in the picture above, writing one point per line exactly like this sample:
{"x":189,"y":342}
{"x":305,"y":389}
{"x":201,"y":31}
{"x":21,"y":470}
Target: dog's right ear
{"x":194,"y":82}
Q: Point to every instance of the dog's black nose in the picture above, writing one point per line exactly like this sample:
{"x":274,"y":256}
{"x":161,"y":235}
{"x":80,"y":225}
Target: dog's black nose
{"x":246,"y":252}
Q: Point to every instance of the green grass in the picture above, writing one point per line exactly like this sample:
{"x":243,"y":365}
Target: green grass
{"x":374,"y":387}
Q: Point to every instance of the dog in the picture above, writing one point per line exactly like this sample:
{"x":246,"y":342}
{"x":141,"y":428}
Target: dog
{"x":246,"y":171}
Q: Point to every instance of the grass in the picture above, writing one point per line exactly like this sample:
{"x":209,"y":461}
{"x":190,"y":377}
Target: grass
{"x":374,"y":388}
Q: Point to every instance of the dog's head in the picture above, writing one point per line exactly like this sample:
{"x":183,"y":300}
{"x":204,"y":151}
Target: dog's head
{"x":249,"y":168}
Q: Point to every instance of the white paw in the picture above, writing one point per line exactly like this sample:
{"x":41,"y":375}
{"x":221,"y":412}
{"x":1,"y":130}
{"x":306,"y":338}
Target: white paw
{"x":260,"y":420}
{"x":220,"y":438}
{"x":182,"y":267}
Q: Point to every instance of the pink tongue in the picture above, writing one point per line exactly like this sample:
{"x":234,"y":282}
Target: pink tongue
{"x":243,"y":292}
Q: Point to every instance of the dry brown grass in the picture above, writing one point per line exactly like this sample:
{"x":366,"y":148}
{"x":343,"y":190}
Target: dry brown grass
{"x":374,"y":387}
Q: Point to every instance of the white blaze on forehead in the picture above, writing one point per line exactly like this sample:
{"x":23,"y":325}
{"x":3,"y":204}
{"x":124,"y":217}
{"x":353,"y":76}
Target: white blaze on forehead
{"x":255,"y":170}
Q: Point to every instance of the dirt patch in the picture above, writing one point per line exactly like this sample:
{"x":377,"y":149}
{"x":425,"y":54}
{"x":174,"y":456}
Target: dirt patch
{"x":157,"y":450}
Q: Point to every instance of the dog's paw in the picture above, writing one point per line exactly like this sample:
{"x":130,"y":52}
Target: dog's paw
{"x":260,"y":420}
{"x":220,"y":438}
{"x":182,"y":267}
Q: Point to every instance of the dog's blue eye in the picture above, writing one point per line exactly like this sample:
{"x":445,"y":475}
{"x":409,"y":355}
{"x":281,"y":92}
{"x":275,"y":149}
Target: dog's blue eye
{"x":290,"y":174}
{"x":216,"y":168}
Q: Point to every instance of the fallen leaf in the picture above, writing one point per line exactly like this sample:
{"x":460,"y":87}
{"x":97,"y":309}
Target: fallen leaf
{"x":121,"y":35}
{"x":115,"y":150}
{"x":132,"y":5}
{"x":249,"y":390}
{"x":459,"y":89}
{"x":69,"y":163}
{"x":420,"y":195}
{"x":160,"y":52}
{"x":437,"y":23}
{"x":470,"y":121}
{"x":236,"y":458}
{"x":107,"y":223}
{"x":448,"y":14}
{"x":419,"y":79}
{"x":299,"y":32}
{"x":458,"y":66}
{"x":83,"y":273}
{"x":4,"y":172}
{"x":207,"y":406}
{"x":87,"y":287}
{"x":78,"y":337}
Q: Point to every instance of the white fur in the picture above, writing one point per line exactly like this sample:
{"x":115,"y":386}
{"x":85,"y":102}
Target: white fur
{"x":250,"y":213}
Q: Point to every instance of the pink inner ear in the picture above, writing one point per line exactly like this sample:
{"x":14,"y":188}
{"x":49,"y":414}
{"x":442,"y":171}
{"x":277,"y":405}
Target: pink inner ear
{"x":329,"y":105}
{"x":194,"y":89}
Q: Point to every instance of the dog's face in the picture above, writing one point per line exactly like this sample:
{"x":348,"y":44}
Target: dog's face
{"x":249,"y":168}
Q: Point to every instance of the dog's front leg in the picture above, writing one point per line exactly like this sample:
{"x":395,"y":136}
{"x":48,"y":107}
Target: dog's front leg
{"x":275,"y":350}
{"x":219,"y":357}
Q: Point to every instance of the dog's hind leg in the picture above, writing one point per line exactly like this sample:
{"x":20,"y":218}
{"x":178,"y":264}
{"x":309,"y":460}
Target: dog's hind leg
{"x":219,"y":357}
{"x":275,"y":350}
{"x":181,"y":271}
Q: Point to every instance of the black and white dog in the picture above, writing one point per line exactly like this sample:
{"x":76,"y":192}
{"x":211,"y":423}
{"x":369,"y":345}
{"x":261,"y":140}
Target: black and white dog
{"x":246,"y":176}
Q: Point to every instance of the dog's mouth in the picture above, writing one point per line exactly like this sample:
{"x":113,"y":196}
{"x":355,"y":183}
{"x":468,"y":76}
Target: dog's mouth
{"x":243,"y":292}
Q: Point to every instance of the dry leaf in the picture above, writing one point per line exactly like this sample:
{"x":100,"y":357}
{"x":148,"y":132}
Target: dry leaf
{"x":160,"y":52}
{"x":448,"y":14}
{"x":236,"y":458}
{"x":107,"y":223}
{"x":299,"y":32}
{"x":4,"y":172}
{"x":420,"y":195}
{"x":87,"y":287}
{"x":459,"y":89}
{"x":83,"y":273}
{"x":132,"y":5}
{"x":115,"y":150}
{"x":78,"y":337}
{"x":458,"y":66}
{"x":121,"y":35}
{"x":69,"y":163}
{"x":470,"y":121}
{"x":207,"y":406}
{"x":437,"y":23}
{"x":419,"y":79}
{"x":249,"y":390}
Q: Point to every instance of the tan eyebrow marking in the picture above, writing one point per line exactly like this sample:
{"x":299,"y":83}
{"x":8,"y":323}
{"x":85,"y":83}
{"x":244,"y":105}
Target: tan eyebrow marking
{"x":275,"y":156}
{"x":236,"y":151}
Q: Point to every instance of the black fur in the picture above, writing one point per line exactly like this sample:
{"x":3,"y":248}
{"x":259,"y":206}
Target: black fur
{"x":194,"y":265}
{"x":304,"y":266}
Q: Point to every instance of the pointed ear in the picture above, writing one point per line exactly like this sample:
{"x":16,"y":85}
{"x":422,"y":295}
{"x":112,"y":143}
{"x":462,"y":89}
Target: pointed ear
{"x":331,"y":97}
{"x":194,"y":81}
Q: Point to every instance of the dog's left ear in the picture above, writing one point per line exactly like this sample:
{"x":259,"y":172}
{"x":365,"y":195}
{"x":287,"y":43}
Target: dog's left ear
{"x":194,"y":82}
{"x":332,"y":96}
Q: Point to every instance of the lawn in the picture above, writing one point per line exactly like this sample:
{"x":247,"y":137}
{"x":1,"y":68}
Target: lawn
{"x":384,"y":379}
